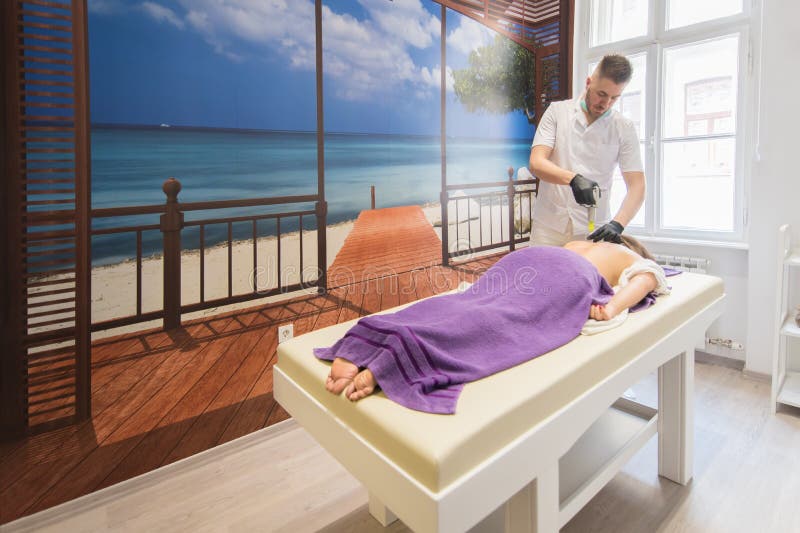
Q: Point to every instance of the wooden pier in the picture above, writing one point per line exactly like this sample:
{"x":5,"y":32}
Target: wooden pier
{"x":385,"y":242}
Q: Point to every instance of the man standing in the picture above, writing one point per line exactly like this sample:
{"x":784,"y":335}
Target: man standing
{"x":577,"y":146}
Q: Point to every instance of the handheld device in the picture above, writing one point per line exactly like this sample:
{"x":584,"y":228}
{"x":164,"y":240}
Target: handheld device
{"x":593,"y":208}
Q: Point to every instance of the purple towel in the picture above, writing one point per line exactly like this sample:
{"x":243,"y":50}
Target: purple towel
{"x":530,"y":302}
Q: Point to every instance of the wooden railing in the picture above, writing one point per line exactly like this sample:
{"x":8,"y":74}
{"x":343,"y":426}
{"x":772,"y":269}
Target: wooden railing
{"x":172,"y":224}
{"x":496,"y":217}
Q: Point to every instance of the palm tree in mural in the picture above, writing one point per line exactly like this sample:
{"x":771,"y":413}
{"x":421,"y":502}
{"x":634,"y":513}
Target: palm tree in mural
{"x":500,"y":79}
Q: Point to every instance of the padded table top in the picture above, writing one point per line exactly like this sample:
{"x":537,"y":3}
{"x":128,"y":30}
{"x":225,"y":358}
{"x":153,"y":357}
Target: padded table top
{"x":491,"y":412}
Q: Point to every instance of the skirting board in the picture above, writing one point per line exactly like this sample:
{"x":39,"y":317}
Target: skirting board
{"x":61,"y":512}
{"x":758,"y":376}
{"x":720,"y":360}
{"x":728,"y":362}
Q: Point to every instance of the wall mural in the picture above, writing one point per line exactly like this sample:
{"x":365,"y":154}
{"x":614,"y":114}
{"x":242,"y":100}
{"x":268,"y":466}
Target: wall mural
{"x":221,"y":95}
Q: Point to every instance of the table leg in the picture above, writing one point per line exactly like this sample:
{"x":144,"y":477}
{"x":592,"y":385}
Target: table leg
{"x":676,"y":417}
{"x":534,"y":509}
{"x":380,"y":512}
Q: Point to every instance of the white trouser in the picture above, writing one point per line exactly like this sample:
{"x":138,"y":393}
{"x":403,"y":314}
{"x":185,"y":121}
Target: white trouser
{"x":541,"y":236}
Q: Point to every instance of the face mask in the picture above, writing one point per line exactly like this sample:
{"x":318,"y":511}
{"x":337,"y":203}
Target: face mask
{"x":586,"y":109}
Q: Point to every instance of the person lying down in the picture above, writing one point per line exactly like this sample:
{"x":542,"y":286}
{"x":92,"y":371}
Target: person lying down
{"x":530,"y":302}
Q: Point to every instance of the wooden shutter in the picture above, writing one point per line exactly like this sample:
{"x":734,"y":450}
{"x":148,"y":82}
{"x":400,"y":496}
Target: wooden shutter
{"x":45,"y":279}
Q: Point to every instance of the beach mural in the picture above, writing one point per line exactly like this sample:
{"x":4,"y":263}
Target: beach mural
{"x":221,"y":95}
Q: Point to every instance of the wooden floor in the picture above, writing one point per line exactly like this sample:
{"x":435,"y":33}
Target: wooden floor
{"x":746,"y":479}
{"x":158,"y":397}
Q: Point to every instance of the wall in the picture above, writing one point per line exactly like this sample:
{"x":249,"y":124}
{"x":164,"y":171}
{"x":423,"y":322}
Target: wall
{"x":775,"y":190}
{"x":732,"y":265}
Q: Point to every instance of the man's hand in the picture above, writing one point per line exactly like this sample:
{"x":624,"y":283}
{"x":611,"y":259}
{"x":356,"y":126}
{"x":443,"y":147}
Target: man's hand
{"x":583,"y":190}
{"x":607,"y":232}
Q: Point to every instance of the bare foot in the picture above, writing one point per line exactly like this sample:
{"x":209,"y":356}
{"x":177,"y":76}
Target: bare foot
{"x":342,"y":374}
{"x":362,"y":385}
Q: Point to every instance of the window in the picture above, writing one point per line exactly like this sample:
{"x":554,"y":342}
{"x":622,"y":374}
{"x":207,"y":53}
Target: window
{"x":690,"y":55}
{"x":698,"y":141}
{"x":616,"y":20}
{"x":686,"y":12}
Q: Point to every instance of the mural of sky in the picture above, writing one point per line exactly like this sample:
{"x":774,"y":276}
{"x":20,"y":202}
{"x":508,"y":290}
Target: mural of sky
{"x":249,"y":64}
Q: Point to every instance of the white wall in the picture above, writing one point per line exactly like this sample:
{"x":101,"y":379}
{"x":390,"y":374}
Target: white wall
{"x":775,"y":189}
{"x":774,"y":192}
{"x":731,"y":266}
{"x":773,"y":129}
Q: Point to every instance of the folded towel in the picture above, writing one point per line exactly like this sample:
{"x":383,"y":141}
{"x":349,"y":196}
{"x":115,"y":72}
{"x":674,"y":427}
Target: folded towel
{"x":593,"y":327}
{"x":641,"y":266}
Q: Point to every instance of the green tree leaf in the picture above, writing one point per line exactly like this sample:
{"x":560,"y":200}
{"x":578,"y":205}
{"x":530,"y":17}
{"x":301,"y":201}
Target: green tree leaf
{"x":498,"y":78}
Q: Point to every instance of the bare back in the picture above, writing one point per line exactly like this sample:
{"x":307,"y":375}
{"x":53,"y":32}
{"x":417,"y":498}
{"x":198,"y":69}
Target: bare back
{"x":610,"y":259}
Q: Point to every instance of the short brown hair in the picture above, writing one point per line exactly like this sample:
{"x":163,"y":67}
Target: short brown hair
{"x":616,"y":68}
{"x":636,"y":246}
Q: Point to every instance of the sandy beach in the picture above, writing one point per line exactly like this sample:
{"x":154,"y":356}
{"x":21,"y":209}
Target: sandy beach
{"x":114,"y":286}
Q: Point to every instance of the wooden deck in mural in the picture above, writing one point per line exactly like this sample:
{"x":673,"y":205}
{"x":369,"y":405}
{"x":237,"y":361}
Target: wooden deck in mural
{"x":158,"y":397}
{"x":385,"y":242}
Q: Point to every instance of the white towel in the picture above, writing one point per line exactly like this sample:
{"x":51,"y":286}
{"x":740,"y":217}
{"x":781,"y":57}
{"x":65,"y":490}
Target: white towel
{"x":592,"y":326}
{"x":641,"y":266}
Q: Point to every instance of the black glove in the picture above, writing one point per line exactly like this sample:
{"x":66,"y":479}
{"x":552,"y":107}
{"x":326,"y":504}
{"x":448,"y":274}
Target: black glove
{"x":607,"y":232}
{"x":583,"y":190}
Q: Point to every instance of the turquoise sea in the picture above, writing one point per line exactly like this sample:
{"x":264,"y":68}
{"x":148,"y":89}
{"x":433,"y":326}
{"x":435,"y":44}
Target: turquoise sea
{"x":130,"y":164}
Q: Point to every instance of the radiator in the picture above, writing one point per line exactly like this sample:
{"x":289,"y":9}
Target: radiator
{"x":683,"y":263}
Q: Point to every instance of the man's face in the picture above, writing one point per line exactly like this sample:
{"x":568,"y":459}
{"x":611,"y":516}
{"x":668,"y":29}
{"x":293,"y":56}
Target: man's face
{"x":601,"y":95}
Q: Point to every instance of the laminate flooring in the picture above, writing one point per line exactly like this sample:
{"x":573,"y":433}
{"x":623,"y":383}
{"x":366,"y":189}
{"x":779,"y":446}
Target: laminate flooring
{"x":746,"y":479}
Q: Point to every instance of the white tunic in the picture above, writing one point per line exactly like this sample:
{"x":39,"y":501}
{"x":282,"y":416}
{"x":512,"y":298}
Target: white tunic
{"x":593,"y":150}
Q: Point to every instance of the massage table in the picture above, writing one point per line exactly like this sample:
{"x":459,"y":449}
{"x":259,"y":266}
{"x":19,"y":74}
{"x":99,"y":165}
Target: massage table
{"x":528,"y":447}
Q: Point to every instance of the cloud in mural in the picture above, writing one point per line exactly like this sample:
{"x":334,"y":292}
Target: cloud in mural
{"x":406,"y":20}
{"x":162,"y":14}
{"x":433,"y":77}
{"x":469,"y":35}
{"x":363,"y":56}
{"x":365,"y":60}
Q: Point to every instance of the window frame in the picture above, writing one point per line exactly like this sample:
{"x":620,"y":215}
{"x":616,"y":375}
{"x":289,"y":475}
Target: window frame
{"x":654,"y":44}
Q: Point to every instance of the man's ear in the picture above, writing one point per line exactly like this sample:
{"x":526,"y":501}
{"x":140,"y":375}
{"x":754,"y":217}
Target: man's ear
{"x":588,"y":81}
